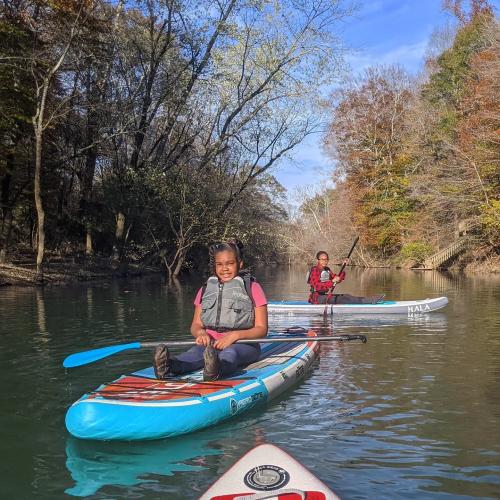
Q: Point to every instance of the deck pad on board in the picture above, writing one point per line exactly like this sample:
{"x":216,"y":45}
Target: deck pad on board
{"x":132,"y":388}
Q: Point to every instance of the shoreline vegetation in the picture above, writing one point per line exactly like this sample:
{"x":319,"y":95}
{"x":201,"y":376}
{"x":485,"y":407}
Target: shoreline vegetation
{"x":72,"y":271}
{"x":133,"y":136}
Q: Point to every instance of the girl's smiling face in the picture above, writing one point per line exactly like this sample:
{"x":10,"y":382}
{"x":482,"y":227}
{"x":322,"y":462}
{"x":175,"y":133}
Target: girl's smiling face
{"x":226,"y":265}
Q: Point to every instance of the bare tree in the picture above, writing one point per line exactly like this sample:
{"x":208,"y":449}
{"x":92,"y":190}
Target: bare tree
{"x":55,"y":31}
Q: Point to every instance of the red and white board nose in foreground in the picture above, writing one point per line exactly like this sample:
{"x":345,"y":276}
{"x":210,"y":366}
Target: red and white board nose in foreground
{"x":267,"y":471}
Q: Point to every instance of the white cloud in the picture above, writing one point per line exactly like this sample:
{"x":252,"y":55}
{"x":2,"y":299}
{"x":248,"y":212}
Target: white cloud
{"x":409,"y":56}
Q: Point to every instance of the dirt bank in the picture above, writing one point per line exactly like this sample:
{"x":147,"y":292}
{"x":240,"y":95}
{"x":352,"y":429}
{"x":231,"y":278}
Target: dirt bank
{"x":67,"y":272}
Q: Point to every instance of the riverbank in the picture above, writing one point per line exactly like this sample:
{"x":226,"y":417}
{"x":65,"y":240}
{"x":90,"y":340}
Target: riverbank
{"x":476,"y":262}
{"x":64,"y":272}
{"x":480,"y":261}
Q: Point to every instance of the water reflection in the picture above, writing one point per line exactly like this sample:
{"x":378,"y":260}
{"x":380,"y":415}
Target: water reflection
{"x":93,"y":465}
{"x":432,"y":322}
{"x":120,"y":320}
{"x":40,"y":313}
{"x":413,"y":413}
{"x":90,"y":303}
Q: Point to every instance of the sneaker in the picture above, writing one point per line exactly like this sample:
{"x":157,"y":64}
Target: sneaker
{"x":161,"y":361}
{"x":212,"y":366}
{"x":378,"y":299}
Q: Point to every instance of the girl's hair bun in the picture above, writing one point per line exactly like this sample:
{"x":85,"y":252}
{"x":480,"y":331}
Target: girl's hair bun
{"x":237,"y":243}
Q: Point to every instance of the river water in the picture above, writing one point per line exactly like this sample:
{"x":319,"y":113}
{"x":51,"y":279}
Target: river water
{"x":413,"y":413}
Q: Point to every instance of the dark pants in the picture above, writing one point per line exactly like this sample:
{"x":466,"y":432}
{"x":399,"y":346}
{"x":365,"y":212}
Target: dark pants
{"x":345,"y":298}
{"x":230,"y":358}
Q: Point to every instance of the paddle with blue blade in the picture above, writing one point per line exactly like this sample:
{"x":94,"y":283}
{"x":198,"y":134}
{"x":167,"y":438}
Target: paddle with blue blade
{"x":87,"y":357}
{"x":340,"y":272}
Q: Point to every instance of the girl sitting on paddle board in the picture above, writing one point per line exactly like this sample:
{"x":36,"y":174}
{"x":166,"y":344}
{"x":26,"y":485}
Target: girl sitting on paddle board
{"x":323,"y":280}
{"x":228,"y":308}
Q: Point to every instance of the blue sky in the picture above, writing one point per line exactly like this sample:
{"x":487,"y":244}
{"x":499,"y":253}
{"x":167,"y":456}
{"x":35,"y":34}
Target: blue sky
{"x":380,"y":32}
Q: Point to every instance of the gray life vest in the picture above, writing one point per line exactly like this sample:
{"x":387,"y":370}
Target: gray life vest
{"x":226,"y":306}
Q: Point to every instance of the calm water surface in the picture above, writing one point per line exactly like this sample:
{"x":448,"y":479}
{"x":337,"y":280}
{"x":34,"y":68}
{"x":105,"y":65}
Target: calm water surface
{"x":414,"y":413}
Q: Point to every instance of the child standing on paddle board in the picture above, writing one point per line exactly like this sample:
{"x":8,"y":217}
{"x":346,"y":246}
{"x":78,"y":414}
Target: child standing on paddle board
{"x":228,"y":308}
{"x":322,"y":280}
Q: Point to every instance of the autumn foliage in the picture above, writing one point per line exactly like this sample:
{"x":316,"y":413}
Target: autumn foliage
{"x":367,"y":137}
{"x":420,"y":158}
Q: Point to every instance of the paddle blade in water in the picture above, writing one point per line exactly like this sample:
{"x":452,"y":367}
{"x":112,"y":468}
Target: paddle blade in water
{"x":86,"y":357}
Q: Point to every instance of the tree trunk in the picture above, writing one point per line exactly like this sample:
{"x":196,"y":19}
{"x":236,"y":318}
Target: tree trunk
{"x":38,"y":203}
{"x":88,"y":242}
{"x":178,"y":265}
{"x":119,"y":233}
{"x":5,"y":233}
{"x":33,"y":238}
{"x":60,"y":228}
{"x":169,"y":269}
{"x":87,"y":180}
{"x":39,"y":126}
{"x":171,"y":266}
{"x":6,"y":213}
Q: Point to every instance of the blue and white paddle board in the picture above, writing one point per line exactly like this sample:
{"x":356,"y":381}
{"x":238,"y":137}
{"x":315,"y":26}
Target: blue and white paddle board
{"x":139,"y":406}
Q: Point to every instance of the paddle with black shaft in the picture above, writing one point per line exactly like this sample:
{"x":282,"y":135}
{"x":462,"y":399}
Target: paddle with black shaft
{"x":86,"y":357}
{"x":340,"y":272}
